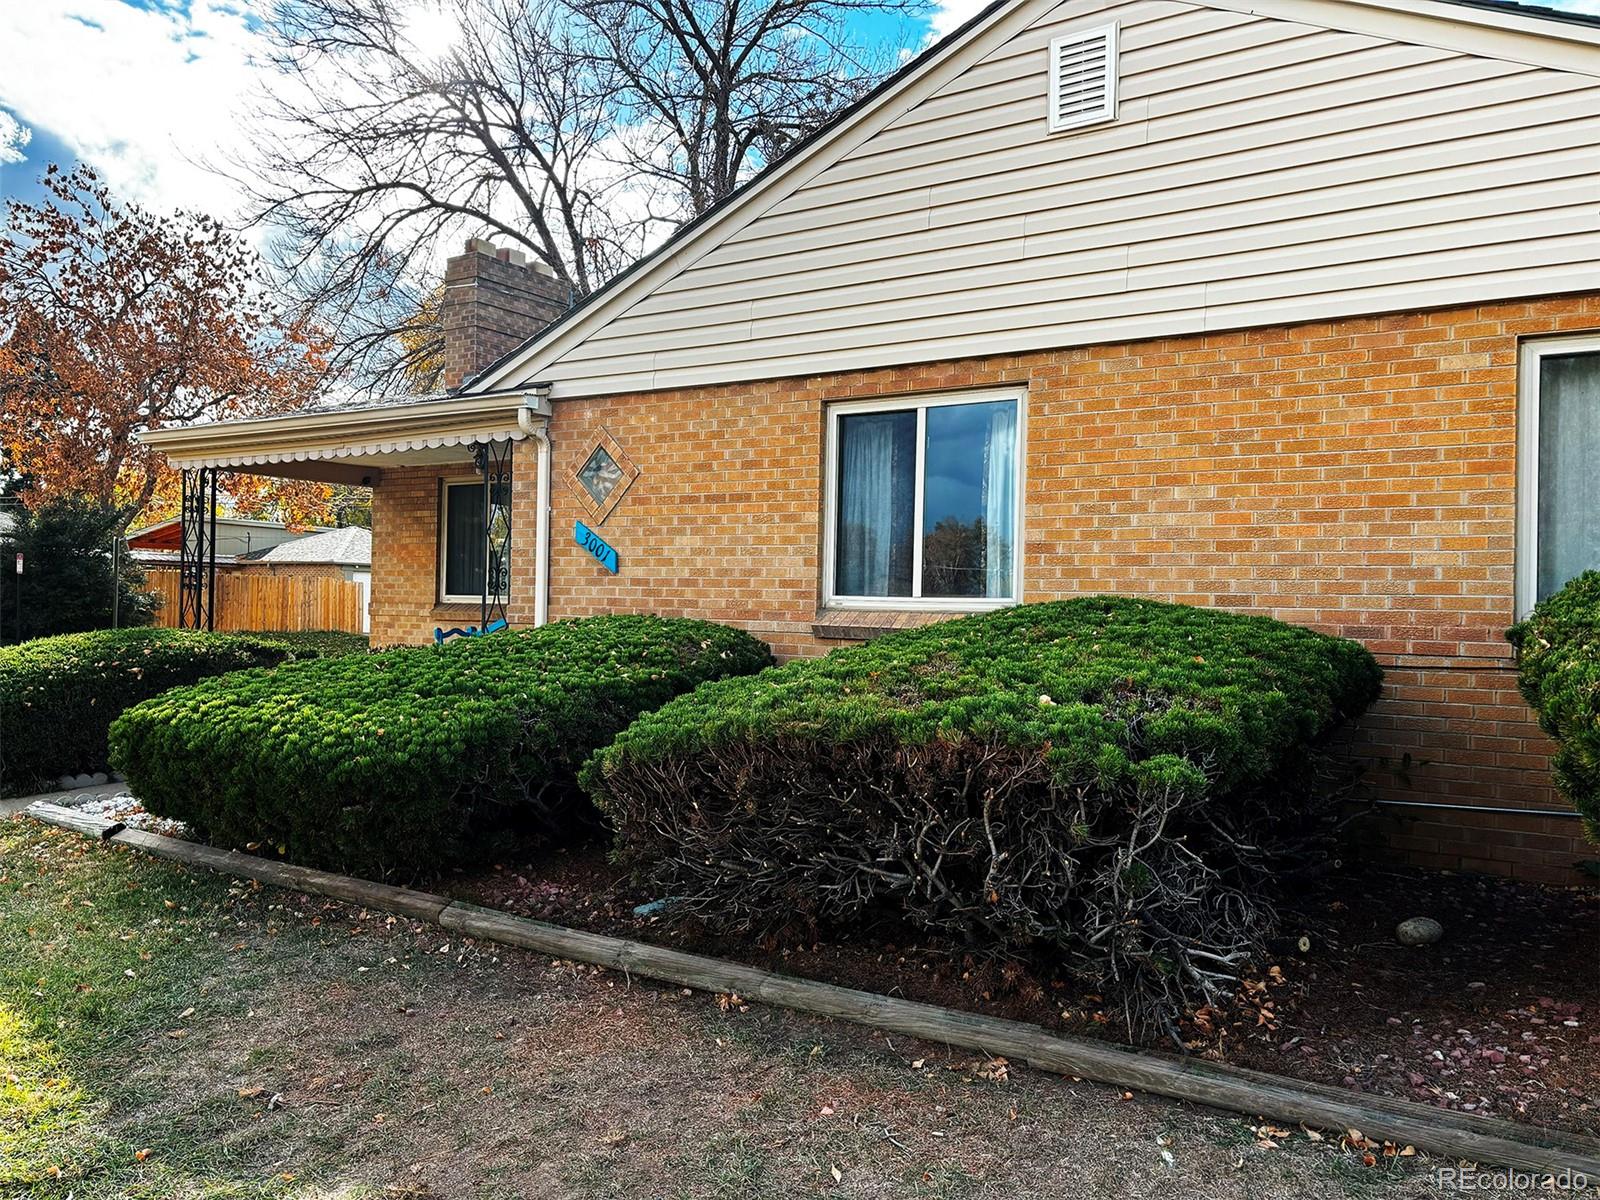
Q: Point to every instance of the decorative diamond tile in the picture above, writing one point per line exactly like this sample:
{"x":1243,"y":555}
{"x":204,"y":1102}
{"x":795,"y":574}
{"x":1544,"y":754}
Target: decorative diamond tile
{"x":605,"y":475}
{"x":600,"y":475}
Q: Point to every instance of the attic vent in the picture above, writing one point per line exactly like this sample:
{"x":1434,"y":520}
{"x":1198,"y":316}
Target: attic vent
{"x":1083,"y":78}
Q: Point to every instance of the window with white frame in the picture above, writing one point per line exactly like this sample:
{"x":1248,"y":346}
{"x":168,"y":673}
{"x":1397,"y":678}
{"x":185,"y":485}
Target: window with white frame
{"x":1558,"y":446}
{"x":467,"y":546}
{"x":924,"y":501}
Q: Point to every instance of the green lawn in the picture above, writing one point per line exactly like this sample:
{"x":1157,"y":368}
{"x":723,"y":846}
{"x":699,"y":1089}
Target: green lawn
{"x":170,"y":1034}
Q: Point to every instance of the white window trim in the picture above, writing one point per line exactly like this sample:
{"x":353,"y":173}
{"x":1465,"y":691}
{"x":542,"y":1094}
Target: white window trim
{"x":920,"y":403}
{"x":445,"y":485}
{"x":1530,"y":361}
{"x":1108,"y":112}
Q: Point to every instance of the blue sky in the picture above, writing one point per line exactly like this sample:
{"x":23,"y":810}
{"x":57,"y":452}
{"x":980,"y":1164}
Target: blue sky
{"x":154,"y":93}
{"x":143,"y":90}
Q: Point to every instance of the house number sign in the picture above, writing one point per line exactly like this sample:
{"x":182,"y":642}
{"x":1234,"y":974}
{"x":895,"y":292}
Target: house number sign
{"x":599,"y":549}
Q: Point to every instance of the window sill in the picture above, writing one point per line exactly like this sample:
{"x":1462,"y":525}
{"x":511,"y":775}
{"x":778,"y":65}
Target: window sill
{"x":457,"y":609}
{"x":864,"y":624}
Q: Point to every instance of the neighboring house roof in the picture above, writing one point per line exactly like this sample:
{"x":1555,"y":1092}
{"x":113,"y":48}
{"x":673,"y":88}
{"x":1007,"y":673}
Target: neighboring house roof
{"x":157,"y":560}
{"x":351,"y":546}
{"x":937,"y":219}
{"x":235,"y":535}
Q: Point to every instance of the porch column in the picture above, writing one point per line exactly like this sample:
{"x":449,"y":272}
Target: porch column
{"x":197,"y":549}
{"x":494,"y":464}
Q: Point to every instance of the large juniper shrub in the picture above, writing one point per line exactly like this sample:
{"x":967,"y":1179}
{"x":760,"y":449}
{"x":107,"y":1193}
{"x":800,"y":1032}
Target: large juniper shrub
{"x":58,"y":695}
{"x":1558,"y":672}
{"x":406,"y":761}
{"x":1115,"y":784}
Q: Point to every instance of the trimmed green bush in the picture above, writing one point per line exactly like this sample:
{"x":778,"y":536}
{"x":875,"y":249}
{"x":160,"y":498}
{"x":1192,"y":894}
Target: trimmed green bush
{"x":58,"y":695}
{"x":317,"y":643}
{"x":1112,"y":783}
{"x":1558,"y":673}
{"x":408,"y":760}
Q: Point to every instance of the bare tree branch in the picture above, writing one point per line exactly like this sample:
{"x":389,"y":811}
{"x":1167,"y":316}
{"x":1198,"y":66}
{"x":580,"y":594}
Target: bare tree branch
{"x":580,"y":131}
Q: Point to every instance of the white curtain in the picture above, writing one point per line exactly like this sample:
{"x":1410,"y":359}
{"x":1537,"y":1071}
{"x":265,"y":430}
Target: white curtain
{"x":1000,"y":499}
{"x":1569,"y":482}
{"x":866,"y":504}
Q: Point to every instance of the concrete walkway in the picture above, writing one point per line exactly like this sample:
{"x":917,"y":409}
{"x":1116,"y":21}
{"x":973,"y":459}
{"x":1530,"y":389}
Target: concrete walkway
{"x":70,"y":798}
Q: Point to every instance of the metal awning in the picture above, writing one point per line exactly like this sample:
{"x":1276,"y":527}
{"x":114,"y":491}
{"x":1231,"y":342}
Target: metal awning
{"x":353,"y":445}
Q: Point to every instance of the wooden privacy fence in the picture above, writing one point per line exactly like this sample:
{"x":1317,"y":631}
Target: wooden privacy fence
{"x":257,"y":600}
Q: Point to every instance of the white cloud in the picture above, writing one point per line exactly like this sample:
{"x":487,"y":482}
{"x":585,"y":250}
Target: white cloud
{"x":1589,"y":8}
{"x":146,"y":96}
{"x":430,"y":30}
{"x":14,"y":139}
{"x":950,"y":15}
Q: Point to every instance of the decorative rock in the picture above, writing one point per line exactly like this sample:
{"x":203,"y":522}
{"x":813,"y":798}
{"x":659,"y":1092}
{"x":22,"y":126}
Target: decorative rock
{"x":1418,"y":931}
{"x":98,"y":778}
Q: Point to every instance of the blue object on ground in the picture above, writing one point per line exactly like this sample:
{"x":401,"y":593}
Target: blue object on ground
{"x":653,"y":907}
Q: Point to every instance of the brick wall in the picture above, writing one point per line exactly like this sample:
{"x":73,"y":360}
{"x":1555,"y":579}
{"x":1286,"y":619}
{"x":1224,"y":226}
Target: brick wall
{"x":405,"y":548}
{"x":1355,"y":476}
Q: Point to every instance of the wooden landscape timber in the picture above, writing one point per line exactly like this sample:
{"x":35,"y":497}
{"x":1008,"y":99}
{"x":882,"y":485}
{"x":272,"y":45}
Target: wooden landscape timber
{"x":1255,"y":1093}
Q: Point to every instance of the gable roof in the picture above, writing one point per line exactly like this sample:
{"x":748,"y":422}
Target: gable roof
{"x":349,"y":546}
{"x":1533,"y":37}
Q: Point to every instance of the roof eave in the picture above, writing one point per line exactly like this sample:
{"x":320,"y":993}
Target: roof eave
{"x":350,"y":435}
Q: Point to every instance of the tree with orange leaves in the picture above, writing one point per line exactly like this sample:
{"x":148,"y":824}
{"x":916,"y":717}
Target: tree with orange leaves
{"x":115,"y":320}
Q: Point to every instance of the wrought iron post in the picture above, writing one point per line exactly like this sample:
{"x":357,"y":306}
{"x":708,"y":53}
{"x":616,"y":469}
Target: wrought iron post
{"x":494,"y":464}
{"x":197,"y":549}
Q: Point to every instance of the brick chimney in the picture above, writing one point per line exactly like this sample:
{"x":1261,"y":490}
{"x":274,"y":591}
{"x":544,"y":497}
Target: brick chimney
{"x":494,"y":300}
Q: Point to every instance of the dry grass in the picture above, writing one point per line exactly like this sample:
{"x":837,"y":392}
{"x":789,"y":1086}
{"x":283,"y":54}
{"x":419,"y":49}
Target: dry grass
{"x":334,"y":1053}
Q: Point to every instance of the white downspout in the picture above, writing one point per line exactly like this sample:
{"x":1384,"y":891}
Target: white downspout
{"x":537,"y":426}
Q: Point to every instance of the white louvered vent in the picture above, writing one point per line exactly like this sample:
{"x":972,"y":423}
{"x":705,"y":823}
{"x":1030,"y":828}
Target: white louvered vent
{"x":1083,"y":78}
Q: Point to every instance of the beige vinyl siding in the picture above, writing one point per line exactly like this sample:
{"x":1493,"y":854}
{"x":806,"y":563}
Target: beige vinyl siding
{"x":1260,"y":170}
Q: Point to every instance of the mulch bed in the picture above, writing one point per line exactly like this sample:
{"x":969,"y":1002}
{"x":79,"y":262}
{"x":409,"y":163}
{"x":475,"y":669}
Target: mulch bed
{"x":1502,"y":1017}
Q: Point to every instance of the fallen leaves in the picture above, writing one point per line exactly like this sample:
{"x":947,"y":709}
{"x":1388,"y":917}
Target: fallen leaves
{"x":1372,"y":1152}
{"x":996,"y":1070}
{"x":1268,"y":1137}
